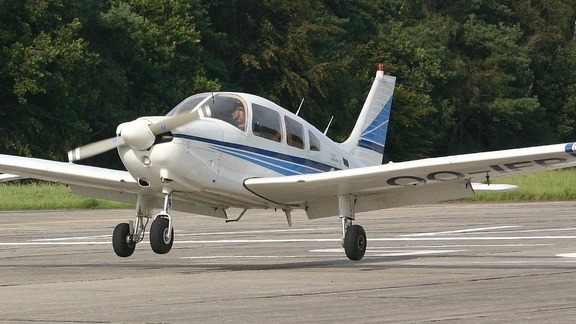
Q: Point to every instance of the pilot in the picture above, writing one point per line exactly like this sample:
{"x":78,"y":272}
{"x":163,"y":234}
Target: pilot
{"x":239,"y":116}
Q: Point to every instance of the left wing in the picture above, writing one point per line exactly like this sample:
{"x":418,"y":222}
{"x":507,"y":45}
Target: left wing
{"x":407,"y":183}
{"x":95,"y":182}
{"x":67,"y":173}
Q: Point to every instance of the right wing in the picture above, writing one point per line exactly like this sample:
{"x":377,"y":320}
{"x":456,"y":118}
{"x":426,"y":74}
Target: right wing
{"x":409,"y":183}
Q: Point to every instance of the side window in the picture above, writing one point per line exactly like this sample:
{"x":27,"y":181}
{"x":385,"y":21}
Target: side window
{"x":294,"y":133}
{"x":314,"y":142}
{"x":266,"y":123}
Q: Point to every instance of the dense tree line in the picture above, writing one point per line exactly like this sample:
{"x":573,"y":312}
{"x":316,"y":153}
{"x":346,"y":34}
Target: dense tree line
{"x":472,"y":75}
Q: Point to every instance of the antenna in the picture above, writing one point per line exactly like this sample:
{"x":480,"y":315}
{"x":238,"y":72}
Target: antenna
{"x":301,"y":102}
{"x":329,"y":123}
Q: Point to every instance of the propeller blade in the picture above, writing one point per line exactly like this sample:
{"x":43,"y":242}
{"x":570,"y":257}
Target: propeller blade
{"x":170,"y":123}
{"x":95,"y":148}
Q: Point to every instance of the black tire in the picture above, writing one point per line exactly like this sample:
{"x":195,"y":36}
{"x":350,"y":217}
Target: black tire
{"x":121,"y":242}
{"x":355,"y":242}
{"x":158,"y":241}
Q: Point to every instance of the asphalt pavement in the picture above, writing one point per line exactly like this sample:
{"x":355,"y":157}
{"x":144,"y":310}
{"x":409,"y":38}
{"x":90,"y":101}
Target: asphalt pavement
{"x":446,"y":263}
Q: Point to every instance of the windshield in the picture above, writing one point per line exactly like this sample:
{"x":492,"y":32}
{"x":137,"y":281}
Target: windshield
{"x":187,"y":104}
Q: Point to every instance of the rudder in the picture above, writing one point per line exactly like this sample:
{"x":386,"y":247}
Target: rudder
{"x":368,"y":138}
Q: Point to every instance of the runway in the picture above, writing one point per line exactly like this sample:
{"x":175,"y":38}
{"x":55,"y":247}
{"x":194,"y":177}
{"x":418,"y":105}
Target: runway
{"x":455,"y":263}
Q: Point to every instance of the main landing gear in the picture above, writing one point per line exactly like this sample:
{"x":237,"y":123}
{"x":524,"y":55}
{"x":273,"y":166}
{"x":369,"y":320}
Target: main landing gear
{"x":353,"y":236}
{"x":127,"y":235}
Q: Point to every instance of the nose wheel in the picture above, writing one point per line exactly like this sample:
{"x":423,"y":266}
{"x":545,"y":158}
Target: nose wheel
{"x":161,"y":235}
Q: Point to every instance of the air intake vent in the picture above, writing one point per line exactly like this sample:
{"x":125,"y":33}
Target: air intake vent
{"x":143,"y":183}
{"x":164,"y":138}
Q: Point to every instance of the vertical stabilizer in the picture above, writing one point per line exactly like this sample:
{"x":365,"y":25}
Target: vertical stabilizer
{"x":369,"y":134}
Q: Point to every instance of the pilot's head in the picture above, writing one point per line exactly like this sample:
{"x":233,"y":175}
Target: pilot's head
{"x":239,"y":112}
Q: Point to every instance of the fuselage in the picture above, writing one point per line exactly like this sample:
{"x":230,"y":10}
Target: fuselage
{"x":214,"y":154}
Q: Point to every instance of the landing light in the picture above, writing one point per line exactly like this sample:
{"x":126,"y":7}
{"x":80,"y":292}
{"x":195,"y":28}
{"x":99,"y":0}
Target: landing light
{"x":146,"y":160}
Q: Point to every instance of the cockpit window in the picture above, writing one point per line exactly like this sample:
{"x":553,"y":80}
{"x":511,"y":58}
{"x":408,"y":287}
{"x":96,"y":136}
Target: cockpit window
{"x":226,"y":107}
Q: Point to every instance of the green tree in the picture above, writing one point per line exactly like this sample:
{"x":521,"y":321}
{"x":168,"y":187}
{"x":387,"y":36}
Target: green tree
{"x":278,"y":49}
{"x":45,"y":78}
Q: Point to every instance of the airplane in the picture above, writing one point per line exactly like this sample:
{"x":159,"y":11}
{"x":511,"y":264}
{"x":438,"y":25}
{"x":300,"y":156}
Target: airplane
{"x":220,"y":150}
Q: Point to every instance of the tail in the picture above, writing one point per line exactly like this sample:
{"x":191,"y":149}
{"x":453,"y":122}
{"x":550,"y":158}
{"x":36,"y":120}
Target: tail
{"x":368,"y":137}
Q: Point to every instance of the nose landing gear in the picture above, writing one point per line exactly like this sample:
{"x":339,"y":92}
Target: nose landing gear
{"x":126,"y":235}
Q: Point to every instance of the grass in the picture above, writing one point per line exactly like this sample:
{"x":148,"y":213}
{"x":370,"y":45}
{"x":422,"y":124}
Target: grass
{"x":545,"y":186}
{"x":43,"y":195}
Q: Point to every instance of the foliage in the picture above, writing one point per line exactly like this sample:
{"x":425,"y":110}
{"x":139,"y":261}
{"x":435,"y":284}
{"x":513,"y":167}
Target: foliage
{"x":472,"y":75}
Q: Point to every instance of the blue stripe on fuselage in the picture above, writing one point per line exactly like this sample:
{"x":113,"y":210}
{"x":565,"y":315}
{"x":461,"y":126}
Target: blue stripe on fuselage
{"x":278,"y":162}
{"x":570,"y":148}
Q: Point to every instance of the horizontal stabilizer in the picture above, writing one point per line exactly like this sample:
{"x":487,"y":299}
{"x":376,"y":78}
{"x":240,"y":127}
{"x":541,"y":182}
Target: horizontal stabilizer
{"x":482,"y":187}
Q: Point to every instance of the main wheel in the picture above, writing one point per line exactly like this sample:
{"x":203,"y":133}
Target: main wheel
{"x":355,"y":242}
{"x":122,"y":242}
{"x":159,"y":240}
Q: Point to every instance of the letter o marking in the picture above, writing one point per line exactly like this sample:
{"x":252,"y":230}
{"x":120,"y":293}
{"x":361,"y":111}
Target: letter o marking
{"x":415,"y":180}
{"x":452,"y":175}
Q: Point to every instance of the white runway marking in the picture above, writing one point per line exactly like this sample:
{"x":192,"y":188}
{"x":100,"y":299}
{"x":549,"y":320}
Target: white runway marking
{"x":377,"y":252}
{"x":566,"y":255}
{"x":52,"y":243}
{"x":214,"y":257}
{"x":260,"y":232}
{"x":468,"y":230}
{"x":417,"y":237}
{"x":73,"y":238}
{"x":71,"y":241}
{"x":472,"y":238}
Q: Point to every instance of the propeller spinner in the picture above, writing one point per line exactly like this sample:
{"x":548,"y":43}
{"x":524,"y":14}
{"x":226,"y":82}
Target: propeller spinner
{"x":139,"y":134}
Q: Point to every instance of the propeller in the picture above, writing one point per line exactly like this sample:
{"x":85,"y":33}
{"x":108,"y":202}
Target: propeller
{"x":140,"y":134}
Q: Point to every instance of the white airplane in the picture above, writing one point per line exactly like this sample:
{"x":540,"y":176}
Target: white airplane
{"x":221,"y":150}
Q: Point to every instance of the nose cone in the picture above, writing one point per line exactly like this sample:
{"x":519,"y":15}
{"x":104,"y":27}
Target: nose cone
{"x":137,"y":134}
